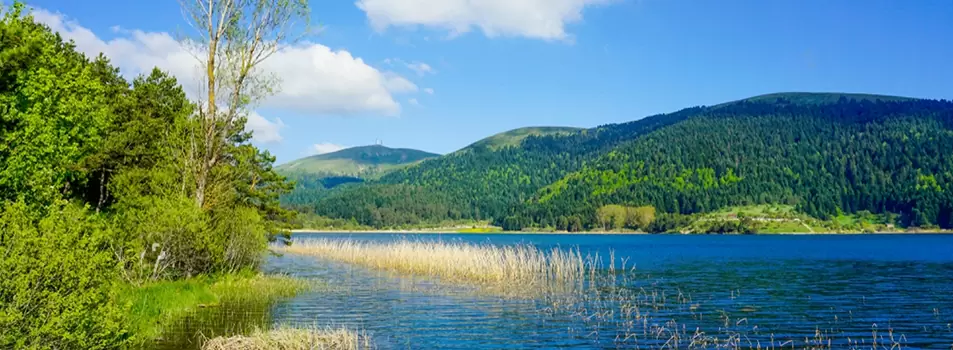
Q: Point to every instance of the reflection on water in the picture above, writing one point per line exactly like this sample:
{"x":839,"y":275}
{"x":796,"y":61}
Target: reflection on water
{"x":223,"y":320}
{"x":706,"y":292}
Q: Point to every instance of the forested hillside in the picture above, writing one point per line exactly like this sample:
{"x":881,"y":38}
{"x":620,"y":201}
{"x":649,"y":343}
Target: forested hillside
{"x":315,"y":175}
{"x":482,"y":183}
{"x":515,"y":137}
{"x":845,"y":156}
{"x":825,"y":154}
{"x":363,"y":161}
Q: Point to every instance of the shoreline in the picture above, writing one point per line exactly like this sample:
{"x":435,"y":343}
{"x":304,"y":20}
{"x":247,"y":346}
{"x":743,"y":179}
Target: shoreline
{"x":601,"y":233}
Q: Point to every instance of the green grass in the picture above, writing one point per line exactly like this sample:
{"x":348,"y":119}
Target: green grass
{"x":846,"y":220}
{"x":777,"y":218}
{"x":764,"y":210}
{"x":784,"y":227}
{"x":157,"y":305}
{"x":480,"y":230}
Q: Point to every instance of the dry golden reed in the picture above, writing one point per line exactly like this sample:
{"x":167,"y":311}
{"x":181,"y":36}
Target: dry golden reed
{"x":286,"y":338}
{"x":512,"y":267}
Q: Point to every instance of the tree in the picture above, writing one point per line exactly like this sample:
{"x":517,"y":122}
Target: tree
{"x":42,"y":138}
{"x":562,"y":224}
{"x":641,"y":217}
{"x":575,"y":224}
{"x":612,"y":216}
{"x":233,"y":38}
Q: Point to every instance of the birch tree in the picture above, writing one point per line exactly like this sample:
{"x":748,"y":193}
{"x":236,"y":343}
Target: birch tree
{"x":232,"y":39}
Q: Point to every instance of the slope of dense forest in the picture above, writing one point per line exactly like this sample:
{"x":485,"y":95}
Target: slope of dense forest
{"x":313,"y":176}
{"x":845,"y":156}
{"x":515,"y":137}
{"x":363,"y":161}
{"x":479,"y":184}
{"x":824,"y":154}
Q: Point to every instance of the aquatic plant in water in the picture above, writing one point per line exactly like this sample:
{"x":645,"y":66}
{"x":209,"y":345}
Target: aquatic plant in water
{"x":292,"y":339}
{"x":603,"y":301}
{"x":511,"y":270}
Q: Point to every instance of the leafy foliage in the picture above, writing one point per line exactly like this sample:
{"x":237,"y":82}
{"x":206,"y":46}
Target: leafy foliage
{"x":59,"y":280}
{"x":53,"y":111}
{"x":98,"y":178}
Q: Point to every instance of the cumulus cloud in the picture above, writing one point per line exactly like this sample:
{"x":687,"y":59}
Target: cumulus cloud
{"x":413,"y":101}
{"x":314,"y":78}
{"x":429,"y":91}
{"x":325,"y":147}
{"x":264,"y":130}
{"x":538,"y":19}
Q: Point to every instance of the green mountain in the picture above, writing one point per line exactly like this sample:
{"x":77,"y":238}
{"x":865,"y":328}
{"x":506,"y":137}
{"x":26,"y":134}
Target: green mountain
{"x":363,"y":161}
{"x":823,"y":154}
{"x":816,"y":98}
{"x":516,"y":136}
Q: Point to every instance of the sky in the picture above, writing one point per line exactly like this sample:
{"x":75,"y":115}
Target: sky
{"x":437,"y":75}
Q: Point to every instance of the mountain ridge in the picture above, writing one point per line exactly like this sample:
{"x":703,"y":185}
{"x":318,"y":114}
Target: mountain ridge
{"x":357,"y":161}
{"x":787,"y":147}
{"x":514,"y":137}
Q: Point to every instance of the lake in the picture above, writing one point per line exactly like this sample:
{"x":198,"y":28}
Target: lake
{"x":690,"y":291}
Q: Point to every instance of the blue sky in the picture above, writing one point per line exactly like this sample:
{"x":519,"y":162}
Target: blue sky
{"x":503,"y":64}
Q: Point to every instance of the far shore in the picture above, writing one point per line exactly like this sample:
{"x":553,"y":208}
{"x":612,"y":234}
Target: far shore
{"x":455,"y":231}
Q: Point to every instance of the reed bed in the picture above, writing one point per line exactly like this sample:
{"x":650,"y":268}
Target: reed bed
{"x":610,"y":306}
{"x":507,"y":268}
{"x":287,"y":338}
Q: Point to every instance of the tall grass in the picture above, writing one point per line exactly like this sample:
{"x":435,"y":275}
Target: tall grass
{"x":153,"y":307}
{"x":286,"y":338}
{"x":503,"y":268}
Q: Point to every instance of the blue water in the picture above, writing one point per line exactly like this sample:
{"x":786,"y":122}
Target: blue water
{"x":712,"y":291}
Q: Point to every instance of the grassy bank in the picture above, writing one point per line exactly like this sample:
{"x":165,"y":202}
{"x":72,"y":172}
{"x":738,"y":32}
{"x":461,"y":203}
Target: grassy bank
{"x":292,"y":338}
{"x":157,"y":305}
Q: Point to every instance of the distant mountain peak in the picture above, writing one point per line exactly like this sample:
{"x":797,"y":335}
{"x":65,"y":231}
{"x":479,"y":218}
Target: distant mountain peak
{"x":516,"y":136}
{"x":357,"y":161}
{"x":820,"y":97}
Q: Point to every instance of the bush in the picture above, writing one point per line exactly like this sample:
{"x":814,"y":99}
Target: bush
{"x":58,"y":280}
{"x":241,"y":239}
{"x":162,"y":237}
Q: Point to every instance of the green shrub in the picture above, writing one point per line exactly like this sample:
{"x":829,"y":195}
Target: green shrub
{"x":162,"y":237}
{"x":58,"y":284}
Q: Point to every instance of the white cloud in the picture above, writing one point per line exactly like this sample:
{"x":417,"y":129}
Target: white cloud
{"x":421,"y":68}
{"x":325,"y":147}
{"x":314,"y":78}
{"x":429,"y":91}
{"x":413,"y":101}
{"x":264,"y":130}
{"x":538,"y":19}
{"x":318,"y":80}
